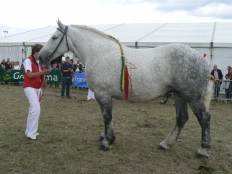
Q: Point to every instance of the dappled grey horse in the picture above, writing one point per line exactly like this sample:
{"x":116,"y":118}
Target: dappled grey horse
{"x":173,"y":67}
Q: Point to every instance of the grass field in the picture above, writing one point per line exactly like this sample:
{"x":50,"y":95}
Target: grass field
{"x":69,"y":131}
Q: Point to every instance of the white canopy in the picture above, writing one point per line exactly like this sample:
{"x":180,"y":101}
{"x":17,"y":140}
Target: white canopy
{"x":214,"y":39}
{"x":143,"y":35}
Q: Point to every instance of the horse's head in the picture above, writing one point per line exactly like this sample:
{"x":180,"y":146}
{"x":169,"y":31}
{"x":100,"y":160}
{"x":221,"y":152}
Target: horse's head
{"x":56,"y":46}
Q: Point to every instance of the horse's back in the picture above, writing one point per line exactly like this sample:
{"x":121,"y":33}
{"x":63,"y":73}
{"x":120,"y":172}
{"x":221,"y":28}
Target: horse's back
{"x":190,"y":71}
{"x":169,"y":67}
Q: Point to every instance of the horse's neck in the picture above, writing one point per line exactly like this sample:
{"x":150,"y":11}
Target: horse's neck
{"x":87,"y":44}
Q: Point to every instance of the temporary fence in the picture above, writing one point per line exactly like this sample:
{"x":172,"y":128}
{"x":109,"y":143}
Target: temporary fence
{"x":222,"y":91}
{"x":54,"y":77}
{"x":79,"y":80}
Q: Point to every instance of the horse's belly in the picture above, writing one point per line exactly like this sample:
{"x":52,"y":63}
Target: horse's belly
{"x":145,"y":95}
{"x":140,"y":94}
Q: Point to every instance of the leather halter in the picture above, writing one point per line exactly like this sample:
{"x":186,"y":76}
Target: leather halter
{"x":64,"y":34}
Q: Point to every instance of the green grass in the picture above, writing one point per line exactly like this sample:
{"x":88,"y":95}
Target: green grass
{"x":69,"y":131}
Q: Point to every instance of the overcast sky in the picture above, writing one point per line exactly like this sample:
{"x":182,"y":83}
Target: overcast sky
{"x":21,"y":15}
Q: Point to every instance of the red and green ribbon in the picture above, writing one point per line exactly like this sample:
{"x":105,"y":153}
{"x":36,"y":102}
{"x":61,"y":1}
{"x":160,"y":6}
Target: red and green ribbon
{"x":124,"y":86}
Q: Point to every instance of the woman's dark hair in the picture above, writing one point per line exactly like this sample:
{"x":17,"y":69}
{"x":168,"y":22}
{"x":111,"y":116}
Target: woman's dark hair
{"x":229,"y":67}
{"x":36,"y":48}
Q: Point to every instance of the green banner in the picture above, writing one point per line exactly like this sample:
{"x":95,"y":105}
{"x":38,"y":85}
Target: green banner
{"x":1,"y":80}
{"x":17,"y":75}
{"x":53,"y":77}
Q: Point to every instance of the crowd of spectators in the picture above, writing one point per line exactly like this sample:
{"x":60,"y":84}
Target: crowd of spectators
{"x":218,"y":81}
{"x":228,"y":88}
{"x":77,"y":67}
{"x":7,"y":64}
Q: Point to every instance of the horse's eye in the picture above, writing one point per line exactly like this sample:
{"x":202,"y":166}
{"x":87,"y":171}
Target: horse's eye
{"x":54,"y":37}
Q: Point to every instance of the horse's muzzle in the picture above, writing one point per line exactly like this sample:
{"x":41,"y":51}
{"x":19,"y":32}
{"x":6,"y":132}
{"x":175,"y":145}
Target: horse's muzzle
{"x":43,"y":61}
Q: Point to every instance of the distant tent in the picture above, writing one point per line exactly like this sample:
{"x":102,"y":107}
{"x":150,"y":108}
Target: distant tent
{"x":211,"y":39}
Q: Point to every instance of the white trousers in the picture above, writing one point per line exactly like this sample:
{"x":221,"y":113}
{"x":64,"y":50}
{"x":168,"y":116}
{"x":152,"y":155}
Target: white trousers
{"x":90,"y":95}
{"x":34,"y":111}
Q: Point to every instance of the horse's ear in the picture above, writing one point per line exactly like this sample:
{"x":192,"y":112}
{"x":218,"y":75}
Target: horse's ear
{"x":61,"y":26}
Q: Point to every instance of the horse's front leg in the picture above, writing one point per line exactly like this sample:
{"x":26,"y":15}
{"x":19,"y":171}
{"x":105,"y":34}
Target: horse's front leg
{"x":107,"y":137}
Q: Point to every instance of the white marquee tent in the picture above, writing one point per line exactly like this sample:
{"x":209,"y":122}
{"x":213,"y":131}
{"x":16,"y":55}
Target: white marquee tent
{"x":214,"y":39}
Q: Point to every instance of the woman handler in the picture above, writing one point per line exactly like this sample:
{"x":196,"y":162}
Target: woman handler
{"x":32,"y":84}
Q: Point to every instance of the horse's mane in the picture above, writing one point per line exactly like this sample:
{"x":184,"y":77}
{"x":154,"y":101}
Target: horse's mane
{"x":95,"y":31}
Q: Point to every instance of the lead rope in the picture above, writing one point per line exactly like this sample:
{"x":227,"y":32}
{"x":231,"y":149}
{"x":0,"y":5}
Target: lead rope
{"x":125,"y":81}
{"x":43,"y":86}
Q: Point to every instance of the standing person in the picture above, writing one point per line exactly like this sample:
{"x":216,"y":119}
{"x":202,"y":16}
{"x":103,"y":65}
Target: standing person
{"x":13,"y":63}
{"x":71,"y":62}
{"x":33,"y":82}
{"x":21,"y":67}
{"x":1,"y":68}
{"x":78,"y":66}
{"x":61,"y":77}
{"x":218,"y":76}
{"x":17,"y":66}
{"x":72,"y":74}
{"x":229,"y":77}
{"x":3,"y":62}
{"x":66,"y":69}
{"x":55,"y":68}
{"x":8,"y":65}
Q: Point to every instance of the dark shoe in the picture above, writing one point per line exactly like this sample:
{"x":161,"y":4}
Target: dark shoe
{"x":69,"y":97}
{"x":62,"y":97}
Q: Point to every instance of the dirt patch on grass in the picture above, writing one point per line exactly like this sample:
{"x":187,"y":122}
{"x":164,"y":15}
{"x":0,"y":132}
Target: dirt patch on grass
{"x":69,"y":131}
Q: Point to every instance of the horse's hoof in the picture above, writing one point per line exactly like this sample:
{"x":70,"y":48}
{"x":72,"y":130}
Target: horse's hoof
{"x":101,"y":138}
{"x":200,"y":156}
{"x":112,"y":140}
{"x":103,"y":148}
{"x":161,"y":148}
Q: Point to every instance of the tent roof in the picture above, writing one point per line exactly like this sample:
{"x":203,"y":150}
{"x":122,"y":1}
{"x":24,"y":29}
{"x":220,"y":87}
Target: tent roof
{"x":19,"y":39}
{"x":143,"y":35}
{"x":222,"y":36}
{"x":131,"y":33}
{"x":192,"y":34}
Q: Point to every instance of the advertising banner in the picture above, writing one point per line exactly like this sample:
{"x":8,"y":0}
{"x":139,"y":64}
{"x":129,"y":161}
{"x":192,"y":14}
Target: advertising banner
{"x":79,"y":80}
{"x":17,"y":75}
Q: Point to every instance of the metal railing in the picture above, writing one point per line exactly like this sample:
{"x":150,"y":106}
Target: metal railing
{"x":222,"y":92}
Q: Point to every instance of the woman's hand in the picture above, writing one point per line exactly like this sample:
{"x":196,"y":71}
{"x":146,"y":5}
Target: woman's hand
{"x":33,"y":75}
{"x":46,"y":71}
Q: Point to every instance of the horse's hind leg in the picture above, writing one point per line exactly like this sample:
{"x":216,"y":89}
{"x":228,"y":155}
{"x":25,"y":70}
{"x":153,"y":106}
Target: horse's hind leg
{"x":203,"y":117}
{"x":181,"y":119}
{"x":107,"y":137}
{"x":165,"y":99}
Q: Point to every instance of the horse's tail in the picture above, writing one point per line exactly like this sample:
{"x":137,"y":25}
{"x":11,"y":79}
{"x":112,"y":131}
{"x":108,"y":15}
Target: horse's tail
{"x":208,"y":94}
